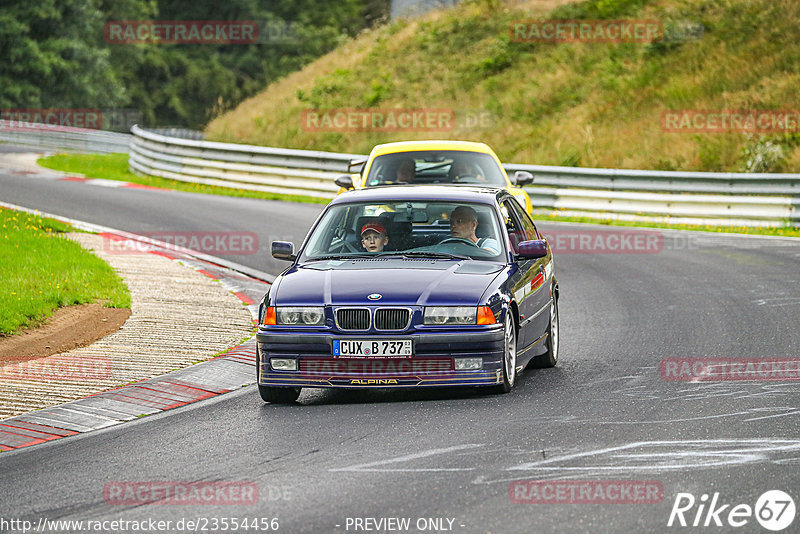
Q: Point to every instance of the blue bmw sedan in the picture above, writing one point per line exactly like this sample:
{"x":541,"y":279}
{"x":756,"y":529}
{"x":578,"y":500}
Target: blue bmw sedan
{"x":418,"y":286}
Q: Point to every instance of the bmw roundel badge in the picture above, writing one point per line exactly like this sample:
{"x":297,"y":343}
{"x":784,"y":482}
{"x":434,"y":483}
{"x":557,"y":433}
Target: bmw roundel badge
{"x":374,"y":296}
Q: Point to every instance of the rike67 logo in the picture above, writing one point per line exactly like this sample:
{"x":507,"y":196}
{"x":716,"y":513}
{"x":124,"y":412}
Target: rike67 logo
{"x":774,"y":510}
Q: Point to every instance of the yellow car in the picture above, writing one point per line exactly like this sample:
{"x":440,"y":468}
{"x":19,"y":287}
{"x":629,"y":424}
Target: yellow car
{"x":435,"y":162}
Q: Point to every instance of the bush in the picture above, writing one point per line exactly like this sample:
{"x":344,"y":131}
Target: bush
{"x":763,"y":156}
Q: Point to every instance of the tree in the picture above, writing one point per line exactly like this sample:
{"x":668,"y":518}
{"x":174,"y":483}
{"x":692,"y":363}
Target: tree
{"x":52,"y":58}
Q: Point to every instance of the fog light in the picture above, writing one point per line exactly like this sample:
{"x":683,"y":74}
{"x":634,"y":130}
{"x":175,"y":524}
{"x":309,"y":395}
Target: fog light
{"x":468,"y":364}
{"x":283,"y":364}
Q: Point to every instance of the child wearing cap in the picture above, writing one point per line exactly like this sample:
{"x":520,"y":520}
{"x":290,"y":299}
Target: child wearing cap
{"x":374,"y":237}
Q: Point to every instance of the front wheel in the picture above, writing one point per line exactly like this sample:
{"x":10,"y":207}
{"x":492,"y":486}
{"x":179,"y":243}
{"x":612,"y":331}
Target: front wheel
{"x":549,"y":358}
{"x":509,"y":354}
{"x":278,"y":395}
{"x":270,"y":394}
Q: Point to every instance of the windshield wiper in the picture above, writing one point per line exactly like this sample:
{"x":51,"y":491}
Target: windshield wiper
{"x":337,"y":257}
{"x":431,"y":254}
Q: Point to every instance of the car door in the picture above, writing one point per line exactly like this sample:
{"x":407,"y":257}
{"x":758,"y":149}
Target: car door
{"x":531,"y":285}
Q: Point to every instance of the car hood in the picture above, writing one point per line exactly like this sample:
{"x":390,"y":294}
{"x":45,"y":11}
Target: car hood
{"x":408,"y":282}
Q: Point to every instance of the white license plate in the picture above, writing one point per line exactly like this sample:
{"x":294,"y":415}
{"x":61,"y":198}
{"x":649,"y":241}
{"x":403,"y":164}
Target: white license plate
{"x":371,"y":348}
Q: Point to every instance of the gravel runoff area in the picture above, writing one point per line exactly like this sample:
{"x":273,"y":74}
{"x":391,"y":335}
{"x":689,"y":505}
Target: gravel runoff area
{"x":178,"y":317}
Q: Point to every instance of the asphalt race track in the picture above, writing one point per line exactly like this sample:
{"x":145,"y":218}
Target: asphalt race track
{"x":342,"y":461}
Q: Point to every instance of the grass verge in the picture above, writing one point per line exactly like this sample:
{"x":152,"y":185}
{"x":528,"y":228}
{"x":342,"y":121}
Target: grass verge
{"x":41,"y":271}
{"x":115,"y":167}
{"x":786,"y":231}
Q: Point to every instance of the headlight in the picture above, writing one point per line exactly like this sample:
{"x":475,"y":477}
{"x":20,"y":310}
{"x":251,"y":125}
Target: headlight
{"x":458,"y":315}
{"x":298,"y":315}
{"x":441,"y":315}
{"x":312,"y":316}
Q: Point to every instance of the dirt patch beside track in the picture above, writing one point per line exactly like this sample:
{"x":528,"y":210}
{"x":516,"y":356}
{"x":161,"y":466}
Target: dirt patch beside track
{"x":68,"y":328}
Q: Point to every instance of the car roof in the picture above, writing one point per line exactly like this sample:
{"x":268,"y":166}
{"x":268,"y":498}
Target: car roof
{"x":444,"y":193}
{"x":413,"y":146}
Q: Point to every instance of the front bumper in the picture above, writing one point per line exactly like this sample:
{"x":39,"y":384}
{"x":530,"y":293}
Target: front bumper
{"x":431,"y":365}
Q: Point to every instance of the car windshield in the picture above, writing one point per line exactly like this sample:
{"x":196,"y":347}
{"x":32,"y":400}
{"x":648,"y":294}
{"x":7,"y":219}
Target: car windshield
{"x":435,"y":229}
{"x":436,"y":167}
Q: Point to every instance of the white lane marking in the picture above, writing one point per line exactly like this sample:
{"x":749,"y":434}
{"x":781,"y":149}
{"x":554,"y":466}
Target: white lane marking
{"x":667,"y":455}
{"x":773,"y":302}
{"x":782,"y":411}
{"x":679,"y":456}
{"x":681,"y":420}
{"x":105,"y":183}
{"x":375,"y":466}
{"x":789,"y":411}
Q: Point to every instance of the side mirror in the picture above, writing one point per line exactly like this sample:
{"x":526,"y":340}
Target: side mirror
{"x":533,"y":249}
{"x":522,"y":178}
{"x":356,"y":166}
{"x":283,"y":250}
{"x":345,"y":181}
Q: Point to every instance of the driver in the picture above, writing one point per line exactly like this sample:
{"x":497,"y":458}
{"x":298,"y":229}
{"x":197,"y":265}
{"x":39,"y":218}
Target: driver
{"x":463,"y":171}
{"x":374,"y":237}
{"x":463,"y":222}
{"x":405,"y":171}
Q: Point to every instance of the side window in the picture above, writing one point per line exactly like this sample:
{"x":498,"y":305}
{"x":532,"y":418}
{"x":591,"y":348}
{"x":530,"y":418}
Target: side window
{"x":527,"y":224}
{"x":514,"y":225}
{"x":377,"y":173}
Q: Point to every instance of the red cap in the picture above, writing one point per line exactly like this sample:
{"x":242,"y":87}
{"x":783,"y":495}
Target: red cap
{"x":374,"y":226}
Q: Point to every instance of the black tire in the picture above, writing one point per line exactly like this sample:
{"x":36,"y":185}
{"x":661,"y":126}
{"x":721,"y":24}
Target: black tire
{"x":509,"y":354}
{"x":549,"y":358}
{"x":278,"y":395}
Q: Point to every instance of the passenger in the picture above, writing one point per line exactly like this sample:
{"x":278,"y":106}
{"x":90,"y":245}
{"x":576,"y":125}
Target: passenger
{"x":374,"y":237}
{"x":464,"y":222}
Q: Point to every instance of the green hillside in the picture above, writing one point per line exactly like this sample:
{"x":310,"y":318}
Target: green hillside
{"x":577,"y":104}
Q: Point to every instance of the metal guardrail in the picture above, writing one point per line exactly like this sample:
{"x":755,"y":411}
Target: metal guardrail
{"x":183,"y":133}
{"x":276,"y":170}
{"x":49,"y":138}
{"x":678,"y":197}
{"x":713,"y":198}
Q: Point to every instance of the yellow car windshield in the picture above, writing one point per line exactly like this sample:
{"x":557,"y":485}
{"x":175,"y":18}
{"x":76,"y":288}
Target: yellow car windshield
{"x":435,"y":167}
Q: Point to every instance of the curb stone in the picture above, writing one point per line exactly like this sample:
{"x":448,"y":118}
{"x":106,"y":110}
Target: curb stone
{"x":231,"y":370}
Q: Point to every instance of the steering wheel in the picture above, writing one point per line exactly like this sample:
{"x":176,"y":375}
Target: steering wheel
{"x":351,"y":248}
{"x":458,"y":240}
{"x":470,"y":178}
